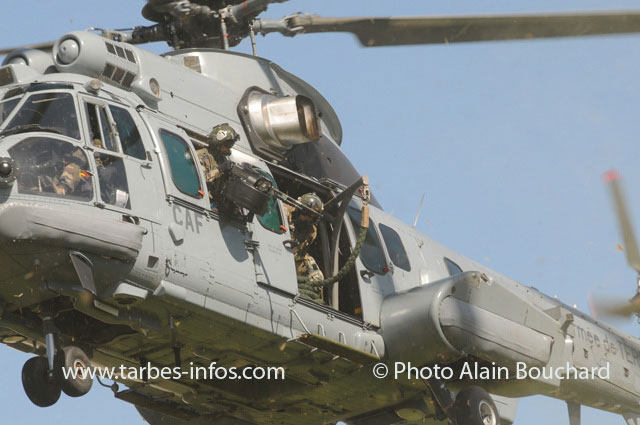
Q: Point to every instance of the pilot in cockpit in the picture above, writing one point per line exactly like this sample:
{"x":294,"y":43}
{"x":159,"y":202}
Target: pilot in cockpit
{"x":74,"y":176}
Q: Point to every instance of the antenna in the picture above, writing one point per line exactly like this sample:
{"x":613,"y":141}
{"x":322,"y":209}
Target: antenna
{"x":419,"y":209}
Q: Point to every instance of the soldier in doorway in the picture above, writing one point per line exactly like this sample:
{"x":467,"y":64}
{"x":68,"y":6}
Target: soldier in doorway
{"x":304,"y":231}
{"x":215,"y":164}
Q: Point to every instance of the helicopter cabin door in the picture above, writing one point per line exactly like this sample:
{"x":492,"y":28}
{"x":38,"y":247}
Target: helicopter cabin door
{"x":201,"y":250}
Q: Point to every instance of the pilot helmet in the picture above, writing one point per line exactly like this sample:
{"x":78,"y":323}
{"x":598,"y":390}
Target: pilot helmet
{"x":312,"y":201}
{"x":223,"y":135}
{"x":75,"y":156}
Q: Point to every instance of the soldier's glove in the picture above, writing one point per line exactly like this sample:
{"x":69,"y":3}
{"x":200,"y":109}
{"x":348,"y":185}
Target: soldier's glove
{"x":225,"y":166}
{"x":291,"y":243}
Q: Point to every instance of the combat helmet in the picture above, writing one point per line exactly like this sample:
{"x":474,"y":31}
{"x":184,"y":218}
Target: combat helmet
{"x":312,"y":201}
{"x":223,"y":135}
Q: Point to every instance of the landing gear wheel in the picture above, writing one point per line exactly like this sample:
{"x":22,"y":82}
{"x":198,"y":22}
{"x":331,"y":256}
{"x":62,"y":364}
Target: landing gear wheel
{"x":474,"y":406}
{"x":41,"y":390}
{"x":73,"y":358}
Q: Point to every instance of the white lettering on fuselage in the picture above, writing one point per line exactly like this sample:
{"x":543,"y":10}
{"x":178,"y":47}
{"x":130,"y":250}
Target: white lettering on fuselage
{"x":613,"y":345}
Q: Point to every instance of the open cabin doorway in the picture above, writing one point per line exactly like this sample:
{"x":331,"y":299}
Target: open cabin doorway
{"x":333,"y":244}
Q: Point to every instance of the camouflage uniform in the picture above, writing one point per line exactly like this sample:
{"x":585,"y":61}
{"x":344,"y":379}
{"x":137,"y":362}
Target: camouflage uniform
{"x":305,"y":234}
{"x":211,"y":173}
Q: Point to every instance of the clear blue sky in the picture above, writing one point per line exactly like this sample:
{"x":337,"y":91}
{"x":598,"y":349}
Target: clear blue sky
{"x":508,"y":141}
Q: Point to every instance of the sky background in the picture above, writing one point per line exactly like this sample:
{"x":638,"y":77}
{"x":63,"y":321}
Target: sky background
{"x":508,"y":142}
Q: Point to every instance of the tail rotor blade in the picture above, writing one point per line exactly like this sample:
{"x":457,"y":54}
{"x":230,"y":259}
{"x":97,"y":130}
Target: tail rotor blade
{"x":609,"y":307}
{"x":624,"y":222}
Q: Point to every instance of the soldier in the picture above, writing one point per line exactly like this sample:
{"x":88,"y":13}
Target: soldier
{"x":215,"y":162}
{"x":303,"y":232}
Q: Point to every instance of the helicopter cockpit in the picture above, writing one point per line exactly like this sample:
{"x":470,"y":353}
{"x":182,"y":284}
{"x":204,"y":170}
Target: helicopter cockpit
{"x":52,"y":167}
{"x":53,"y":160}
{"x":51,"y":164}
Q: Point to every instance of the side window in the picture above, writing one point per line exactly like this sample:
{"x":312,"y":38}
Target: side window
{"x":371,"y":253}
{"x":453,"y":268}
{"x":395,"y":248}
{"x":51,"y":167}
{"x":128,"y":131}
{"x":99,"y":128}
{"x":183,"y":167}
{"x":114,"y":189}
{"x":272,"y":219}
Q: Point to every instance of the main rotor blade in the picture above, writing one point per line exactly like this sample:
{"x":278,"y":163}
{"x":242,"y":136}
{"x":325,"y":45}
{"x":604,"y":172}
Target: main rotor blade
{"x":456,"y":29}
{"x":624,"y":222}
{"x":46,"y":47}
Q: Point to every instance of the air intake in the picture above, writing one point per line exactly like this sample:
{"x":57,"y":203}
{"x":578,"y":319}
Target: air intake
{"x":38,"y":60}
{"x":91,"y":55}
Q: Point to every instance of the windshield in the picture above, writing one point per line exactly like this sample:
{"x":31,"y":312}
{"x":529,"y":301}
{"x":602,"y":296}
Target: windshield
{"x":6,"y":107}
{"x":51,"y":167}
{"x":53,"y":112}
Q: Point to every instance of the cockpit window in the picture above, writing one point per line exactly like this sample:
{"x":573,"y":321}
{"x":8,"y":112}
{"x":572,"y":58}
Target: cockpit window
{"x":52,"y":112}
{"x":100,"y":132}
{"x":395,"y":248}
{"x":6,"y":107}
{"x":114,"y":189}
{"x":128,"y":131}
{"x":52,"y":167}
{"x":371,"y":253}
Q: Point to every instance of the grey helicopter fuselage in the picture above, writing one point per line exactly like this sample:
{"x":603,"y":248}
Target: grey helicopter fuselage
{"x":138,"y":266}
